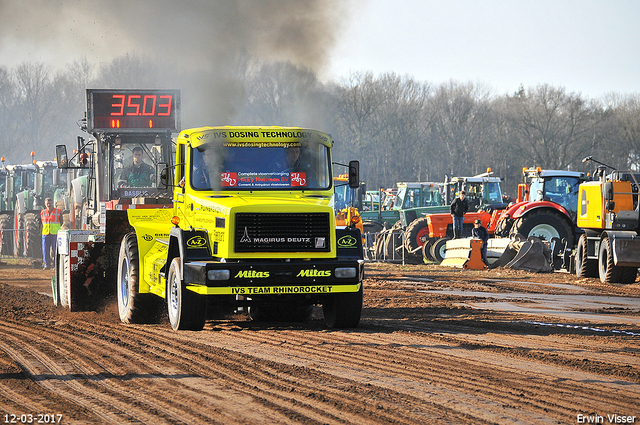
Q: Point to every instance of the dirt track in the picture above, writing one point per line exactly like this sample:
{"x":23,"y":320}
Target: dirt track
{"x":504,"y":350}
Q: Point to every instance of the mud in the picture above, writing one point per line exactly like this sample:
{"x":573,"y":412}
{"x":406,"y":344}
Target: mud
{"x":435,"y":345}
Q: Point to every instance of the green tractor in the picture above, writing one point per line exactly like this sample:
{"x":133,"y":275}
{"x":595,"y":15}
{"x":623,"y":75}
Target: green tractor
{"x":26,"y":188}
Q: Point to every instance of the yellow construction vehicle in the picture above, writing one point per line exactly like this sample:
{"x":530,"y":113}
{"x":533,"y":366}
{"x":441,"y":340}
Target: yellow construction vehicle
{"x":347,"y":202}
{"x":608,"y":213}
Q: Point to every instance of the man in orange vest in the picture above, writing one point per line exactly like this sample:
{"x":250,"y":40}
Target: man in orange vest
{"x":51,"y":222}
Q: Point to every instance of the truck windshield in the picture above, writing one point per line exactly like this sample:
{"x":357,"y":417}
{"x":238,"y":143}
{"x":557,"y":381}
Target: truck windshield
{"x":221,"y":166}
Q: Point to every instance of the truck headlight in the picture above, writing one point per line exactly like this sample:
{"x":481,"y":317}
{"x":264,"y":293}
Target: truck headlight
{"x":218,"y":274}
{"x":346,"y":272}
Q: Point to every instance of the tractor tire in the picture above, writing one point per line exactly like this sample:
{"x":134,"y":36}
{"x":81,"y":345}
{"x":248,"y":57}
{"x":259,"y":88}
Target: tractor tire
{"x":6,"y":235}
{"x":63,"y":283}
{"x":544,"y":224}
{"x":187,"y":310}
{"x":133,"y":307}
{"x":18,"y":234}
{"x":585,"y":267}
{"x":370,"y":231}
{"x":416,"y":235}
{"x":343,"y":310}
{"x":426,"y":250}
{"x":503,"y":228}
{"x":608,"y":272}
{"x":439,"y":248}
{"x":33,"y":235}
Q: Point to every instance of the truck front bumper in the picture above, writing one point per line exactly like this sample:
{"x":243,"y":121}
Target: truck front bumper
{"x":273,"y":278}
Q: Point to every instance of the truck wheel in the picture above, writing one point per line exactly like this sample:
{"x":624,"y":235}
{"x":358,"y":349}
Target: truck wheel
{"x":343,"y":310}
{"x":6,"y":238}
{"x":187,"y":310}
{"x":545,"y":225}
{"x":608,"y":272}
{"x":133,"y":307}
{"x":32,"y":235}
{"x":585,"y":267}
{"x":416,"y":234}
{"x":439,"y":249}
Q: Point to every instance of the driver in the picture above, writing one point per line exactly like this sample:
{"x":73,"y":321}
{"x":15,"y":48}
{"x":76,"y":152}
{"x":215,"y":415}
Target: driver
{"x":291,"y":161}
{"x":138,"y":173}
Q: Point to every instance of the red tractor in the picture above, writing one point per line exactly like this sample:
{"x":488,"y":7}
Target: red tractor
{"x":547,"y":206}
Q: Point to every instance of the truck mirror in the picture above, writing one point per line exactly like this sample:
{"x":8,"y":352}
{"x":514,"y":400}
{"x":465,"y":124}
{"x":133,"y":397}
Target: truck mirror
{"x":61,"y":156}
{"x":607,"y":188}
{"x":354,"y":174}
{"x":162,"y":175}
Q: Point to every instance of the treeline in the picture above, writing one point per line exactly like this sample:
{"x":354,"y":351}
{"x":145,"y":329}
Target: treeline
{"x":399,"y":128}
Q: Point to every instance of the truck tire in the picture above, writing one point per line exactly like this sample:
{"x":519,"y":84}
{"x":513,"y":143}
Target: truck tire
{"x":187,"y":310}
{"x":32,"y":235}
{"x":608,"y":272}
{"x":133,"y":307}
{"x":544,"y":224}
{"x":416,"y":234}
{"x":439,"y":248}
{"x":584,"y":266}
{"x":6,"y":236}
{"x":343,"y":310}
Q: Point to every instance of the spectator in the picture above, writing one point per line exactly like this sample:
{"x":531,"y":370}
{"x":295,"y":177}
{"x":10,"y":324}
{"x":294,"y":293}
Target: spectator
{"x":480,"y":232}
{"x":51,"y":223}
{"x":459,"y":207}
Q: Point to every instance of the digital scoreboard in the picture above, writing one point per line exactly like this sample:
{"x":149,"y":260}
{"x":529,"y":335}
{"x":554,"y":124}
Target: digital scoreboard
{"x":133,"y":110}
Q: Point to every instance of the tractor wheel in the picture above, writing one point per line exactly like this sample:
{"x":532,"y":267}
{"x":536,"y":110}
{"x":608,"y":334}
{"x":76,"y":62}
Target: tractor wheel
{"x":585,"y":267}
{"x":439,"y":248}
{"x":503,"y":228}
{"x":18,"y":234}
{"x":32,"y":235}
{"x":544,"y":224}
{"x":133,"y":307}
{"x":63,"y":281}
{"x":187,"y":310}
{"x":370,"y":230}
{"x":416,"y":235}
{"x":608,"y":272}
{"x":343,"y":310}
{"x":426,"y":249}
{"x":6,"y":236}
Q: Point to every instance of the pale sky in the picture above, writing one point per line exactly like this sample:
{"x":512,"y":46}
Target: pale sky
{"x":587,"y":46}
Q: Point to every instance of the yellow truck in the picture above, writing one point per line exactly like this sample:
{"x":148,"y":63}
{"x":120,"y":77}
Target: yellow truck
{"x":252,"y":227}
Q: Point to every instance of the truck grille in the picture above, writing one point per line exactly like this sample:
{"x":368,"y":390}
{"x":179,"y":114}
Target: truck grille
{"x":282,"y":232}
